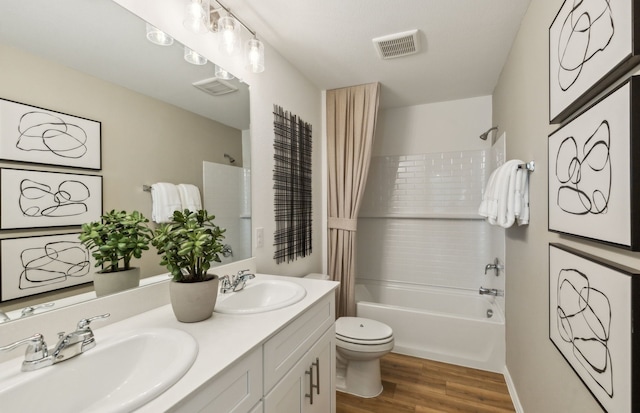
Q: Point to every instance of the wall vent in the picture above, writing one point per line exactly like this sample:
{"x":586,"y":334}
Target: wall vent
{"x":397,"y":45}
{"x":215,"y":86}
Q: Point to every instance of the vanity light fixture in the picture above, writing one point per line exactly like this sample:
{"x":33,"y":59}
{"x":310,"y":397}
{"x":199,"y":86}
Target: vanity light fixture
{"x":157,"y":36}
{"x":194,"y":57}
{"x":197,"y":16}
{"x":229,"y":35}
{"x":254,"y":55}
{"x":222,"y":74}
{"x":200,"y":17}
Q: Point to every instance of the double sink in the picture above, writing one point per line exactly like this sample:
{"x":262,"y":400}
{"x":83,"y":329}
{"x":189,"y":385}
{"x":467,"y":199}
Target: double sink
{"x":128,"y":369}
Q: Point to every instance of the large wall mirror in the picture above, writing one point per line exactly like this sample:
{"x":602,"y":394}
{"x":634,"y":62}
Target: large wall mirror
{"x":91,"y":59}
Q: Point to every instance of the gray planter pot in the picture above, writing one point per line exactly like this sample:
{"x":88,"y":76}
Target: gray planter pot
{"x":114,"y":282}
{"x":193,"y":302}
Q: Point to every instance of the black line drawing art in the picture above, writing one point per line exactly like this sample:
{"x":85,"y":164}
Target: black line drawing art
{"x":43,"y":136}
{"x":39,"y":264}
{"x":584,"y":321}
{"x":38,"y":199}
{"x":54,"y":262}
{"x":45,"y":132}
{"x":587,"y":29}
{"x":585,"y":173}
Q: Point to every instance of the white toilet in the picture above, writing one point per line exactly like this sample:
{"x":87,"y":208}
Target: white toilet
{"x":360,"y":343}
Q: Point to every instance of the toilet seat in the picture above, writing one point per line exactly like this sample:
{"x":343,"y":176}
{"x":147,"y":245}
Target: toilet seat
{"x":363,"y":331}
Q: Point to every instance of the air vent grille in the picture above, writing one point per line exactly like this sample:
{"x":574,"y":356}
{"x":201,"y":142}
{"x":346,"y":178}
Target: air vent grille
{"x":397,"y":45}
{"x":215,"y":86}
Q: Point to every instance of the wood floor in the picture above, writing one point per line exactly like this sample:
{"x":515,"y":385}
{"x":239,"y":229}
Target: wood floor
{"x":423,"y":386}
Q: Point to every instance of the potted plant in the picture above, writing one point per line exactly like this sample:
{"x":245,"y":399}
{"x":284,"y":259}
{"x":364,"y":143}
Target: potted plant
{"x":114,"y":241}
{"x":188,"y":245}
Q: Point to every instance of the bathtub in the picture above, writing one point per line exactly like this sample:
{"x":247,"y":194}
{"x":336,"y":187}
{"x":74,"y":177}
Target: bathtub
{"x":448,"y":325}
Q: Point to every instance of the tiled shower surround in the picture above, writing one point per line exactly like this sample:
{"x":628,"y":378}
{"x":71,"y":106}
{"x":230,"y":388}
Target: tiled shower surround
{"x":418,"y":222}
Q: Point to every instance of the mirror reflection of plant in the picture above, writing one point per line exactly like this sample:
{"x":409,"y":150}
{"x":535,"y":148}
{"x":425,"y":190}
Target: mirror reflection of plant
{"x":118,"y":236}
{"x":189,"y":244}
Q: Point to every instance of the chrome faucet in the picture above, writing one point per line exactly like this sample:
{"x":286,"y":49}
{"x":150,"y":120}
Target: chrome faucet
{"x":491,"y":291}
{"x":235,"y":283}
{"x":70,"y":345}
{"x":4,"y":317}
{"x":495,"y":266}
{"x":27,"y":311}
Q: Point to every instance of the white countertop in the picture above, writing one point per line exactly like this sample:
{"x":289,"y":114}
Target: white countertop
{"x":222,"y":339}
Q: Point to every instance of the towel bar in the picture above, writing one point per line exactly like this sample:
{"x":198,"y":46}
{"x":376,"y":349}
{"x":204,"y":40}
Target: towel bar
{"x":146,"y":188}
{"x":529,"y":166}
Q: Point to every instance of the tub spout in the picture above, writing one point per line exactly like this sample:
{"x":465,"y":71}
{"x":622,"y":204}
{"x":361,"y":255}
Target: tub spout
{"x":491,"y":291}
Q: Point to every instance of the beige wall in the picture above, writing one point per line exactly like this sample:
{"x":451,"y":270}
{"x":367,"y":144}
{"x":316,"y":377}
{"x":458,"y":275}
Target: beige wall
{"x":143,"y":140}
{"x":543,"y":380}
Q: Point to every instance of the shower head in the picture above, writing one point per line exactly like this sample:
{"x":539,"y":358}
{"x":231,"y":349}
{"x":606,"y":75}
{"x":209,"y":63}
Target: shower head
{"x":231,"y":159}
{"x":485,"y":135}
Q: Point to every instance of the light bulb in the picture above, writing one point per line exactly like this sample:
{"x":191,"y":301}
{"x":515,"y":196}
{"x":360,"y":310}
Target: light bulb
{"x":157,"y":36}
{"x":196,"y":19}
{"x":254,"y":55}
{"x":229,"y":31}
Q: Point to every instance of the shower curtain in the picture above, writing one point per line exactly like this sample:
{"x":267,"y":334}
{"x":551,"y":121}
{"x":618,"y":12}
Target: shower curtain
{"x":351,"y":123}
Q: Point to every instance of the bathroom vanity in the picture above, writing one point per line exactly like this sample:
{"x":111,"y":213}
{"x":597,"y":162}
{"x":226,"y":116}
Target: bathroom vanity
{"x":271,"y":362}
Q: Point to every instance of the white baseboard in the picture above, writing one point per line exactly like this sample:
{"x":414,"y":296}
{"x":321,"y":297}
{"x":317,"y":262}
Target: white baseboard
{"x":512,"y":391}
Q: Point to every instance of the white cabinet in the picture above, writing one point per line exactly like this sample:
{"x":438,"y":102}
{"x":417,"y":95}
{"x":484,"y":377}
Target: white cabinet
{"x":309,"y":385}
{"x":293,"y":371}
{"x":237,"y":390}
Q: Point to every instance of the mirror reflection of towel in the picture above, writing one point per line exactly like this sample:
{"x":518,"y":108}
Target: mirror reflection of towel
{"x":190,"y":197}
{"x":166,"y":200}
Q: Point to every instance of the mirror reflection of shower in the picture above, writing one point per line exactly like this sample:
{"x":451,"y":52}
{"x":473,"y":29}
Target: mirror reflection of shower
{"x":485,"y":135}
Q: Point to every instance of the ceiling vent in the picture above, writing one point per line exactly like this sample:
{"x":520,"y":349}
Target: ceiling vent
{"x":215,"y":86}
{"x":397,"y":45}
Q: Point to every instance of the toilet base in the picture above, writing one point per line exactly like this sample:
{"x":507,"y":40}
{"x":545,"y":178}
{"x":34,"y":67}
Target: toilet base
{"x":360,"y":378}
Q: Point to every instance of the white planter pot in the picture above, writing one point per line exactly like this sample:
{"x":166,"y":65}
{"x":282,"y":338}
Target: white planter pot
{"x":193,"y":302}
{"x":114,"y":282}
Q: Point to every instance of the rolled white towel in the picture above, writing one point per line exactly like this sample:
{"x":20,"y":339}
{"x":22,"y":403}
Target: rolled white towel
{"x":166,"y":200}
{"x":190,"y":197}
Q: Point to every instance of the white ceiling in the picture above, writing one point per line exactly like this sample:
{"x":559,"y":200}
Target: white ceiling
{"x":465,"y":43}
{"x":100,"y":38}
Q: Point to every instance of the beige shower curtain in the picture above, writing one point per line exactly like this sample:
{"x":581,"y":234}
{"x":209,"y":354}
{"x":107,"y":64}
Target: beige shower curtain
{"x":351,"y":123}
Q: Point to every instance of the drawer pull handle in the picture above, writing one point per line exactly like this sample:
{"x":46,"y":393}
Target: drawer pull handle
{"x":317,"y":385}
{"x":310,"y":394}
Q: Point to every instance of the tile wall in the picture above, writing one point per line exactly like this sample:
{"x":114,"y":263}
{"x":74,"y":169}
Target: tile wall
{"x":418,"y":222}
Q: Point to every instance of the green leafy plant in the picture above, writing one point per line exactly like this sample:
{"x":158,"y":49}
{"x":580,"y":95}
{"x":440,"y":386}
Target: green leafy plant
{"x":118,"y":237}
{"x":189,"y":244}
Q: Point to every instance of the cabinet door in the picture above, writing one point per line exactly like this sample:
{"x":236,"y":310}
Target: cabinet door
{"x":321,"y":359}
{"x":288,"y":394}
{"x":311,"y":377}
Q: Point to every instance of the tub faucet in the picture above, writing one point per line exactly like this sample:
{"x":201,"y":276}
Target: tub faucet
{"x":235,"y":283}
{"x":491,"y":291}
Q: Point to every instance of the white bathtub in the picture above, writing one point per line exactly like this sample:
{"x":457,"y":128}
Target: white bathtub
{"x":440,"y":324}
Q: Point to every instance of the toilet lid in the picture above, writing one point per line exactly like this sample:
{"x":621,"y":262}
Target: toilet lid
{"x":362,"y":330}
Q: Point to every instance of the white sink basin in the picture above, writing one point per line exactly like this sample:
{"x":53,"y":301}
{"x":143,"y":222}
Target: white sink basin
{"x":120,"y":374}
{"x":260,"y":296}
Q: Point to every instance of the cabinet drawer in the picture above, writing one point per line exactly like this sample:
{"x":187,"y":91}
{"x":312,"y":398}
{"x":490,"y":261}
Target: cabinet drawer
{"x":236,"y":389}
{"x":282,"y":351}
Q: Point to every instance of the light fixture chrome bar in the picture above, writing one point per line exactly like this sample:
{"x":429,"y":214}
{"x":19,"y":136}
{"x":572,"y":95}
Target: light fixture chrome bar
{"x":235,"y":17}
